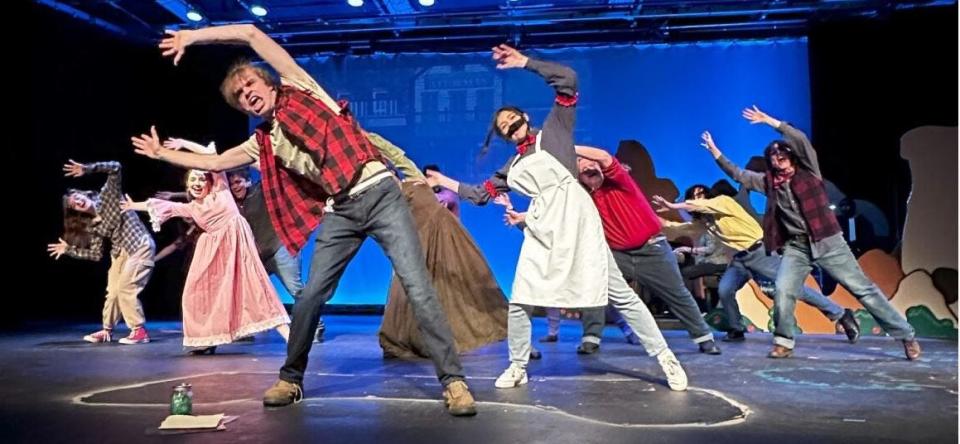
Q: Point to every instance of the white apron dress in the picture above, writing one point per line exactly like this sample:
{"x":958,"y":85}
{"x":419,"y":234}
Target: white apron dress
{"x":563,"y":259}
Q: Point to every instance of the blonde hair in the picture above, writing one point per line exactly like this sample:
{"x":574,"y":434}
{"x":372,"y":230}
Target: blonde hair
{"x":235,"y":70}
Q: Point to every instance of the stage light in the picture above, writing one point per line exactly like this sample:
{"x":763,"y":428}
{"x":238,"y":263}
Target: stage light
{"x":355,"y":3}
{"x":426,"y":2}
{"x":258,"y":10}
{"x":194,"y":16}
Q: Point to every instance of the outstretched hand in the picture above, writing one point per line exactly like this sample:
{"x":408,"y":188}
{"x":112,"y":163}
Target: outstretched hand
{"x":148,"y":144}
{"x":73,"y":169}
{"x":58,"y":249}
{"x":175,"y":44}
{"x":508,"y":57}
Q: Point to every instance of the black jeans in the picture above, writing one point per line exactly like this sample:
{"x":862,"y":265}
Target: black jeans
{"x":655,"y":267}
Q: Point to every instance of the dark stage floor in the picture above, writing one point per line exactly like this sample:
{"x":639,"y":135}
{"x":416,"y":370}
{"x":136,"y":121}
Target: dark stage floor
{"x":56,"y":388}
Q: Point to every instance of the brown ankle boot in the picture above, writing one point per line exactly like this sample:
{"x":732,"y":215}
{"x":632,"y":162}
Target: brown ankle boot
{"x":780,"y":352}
{"x":282,"y":393}
{"x":458,"y":399}
{"x":912,"y":349}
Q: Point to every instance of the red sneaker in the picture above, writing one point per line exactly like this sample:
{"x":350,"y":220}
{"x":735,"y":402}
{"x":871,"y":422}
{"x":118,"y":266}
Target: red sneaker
{"x":137,"y":336}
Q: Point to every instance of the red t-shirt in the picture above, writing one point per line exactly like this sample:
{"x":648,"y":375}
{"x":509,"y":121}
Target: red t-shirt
{"x":628,"y":220}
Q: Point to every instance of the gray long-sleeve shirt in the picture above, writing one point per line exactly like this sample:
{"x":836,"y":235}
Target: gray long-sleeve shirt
{"x":787,"y":206}
{"x":557,"y":138}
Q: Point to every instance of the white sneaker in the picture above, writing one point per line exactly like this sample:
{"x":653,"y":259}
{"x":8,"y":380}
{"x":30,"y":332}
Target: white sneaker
{"x":676,"y":377}
{"x":98,"y":336}
{"x":513,"y":376}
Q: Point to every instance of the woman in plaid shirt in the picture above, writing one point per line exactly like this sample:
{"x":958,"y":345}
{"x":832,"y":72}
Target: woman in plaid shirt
{"x":88,"y":219}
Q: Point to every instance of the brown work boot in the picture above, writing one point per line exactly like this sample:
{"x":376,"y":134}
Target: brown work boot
{"x":282,"y":393}
{"x":780,"y":352}
{"x":459,"y":401}
{"x":912,"y":349}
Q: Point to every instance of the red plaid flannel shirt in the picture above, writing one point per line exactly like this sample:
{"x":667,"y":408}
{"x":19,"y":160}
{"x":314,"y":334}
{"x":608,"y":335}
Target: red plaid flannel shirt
{"x":814,"y":206}
{"x":335,"y":142}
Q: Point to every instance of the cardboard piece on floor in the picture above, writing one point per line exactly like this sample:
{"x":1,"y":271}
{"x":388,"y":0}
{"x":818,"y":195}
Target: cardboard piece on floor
{"x":180,"y":422}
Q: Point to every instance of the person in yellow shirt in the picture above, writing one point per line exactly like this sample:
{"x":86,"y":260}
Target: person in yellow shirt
{"x":724,"y":218}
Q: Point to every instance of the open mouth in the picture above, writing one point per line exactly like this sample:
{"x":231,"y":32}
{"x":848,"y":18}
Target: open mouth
{"x":256,"y":103}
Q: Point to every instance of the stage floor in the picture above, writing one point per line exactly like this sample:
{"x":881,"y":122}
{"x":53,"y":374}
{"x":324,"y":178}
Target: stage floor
{"x":57,"y":388}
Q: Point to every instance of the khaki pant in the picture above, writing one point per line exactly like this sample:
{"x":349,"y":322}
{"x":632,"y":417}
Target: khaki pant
{"x":128,"y":274}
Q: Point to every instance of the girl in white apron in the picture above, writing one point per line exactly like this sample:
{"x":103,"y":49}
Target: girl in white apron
{"x":564,"y":260}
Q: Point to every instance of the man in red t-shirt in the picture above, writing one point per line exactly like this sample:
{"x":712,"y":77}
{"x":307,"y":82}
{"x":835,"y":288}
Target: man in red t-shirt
{"x":642,"y":253}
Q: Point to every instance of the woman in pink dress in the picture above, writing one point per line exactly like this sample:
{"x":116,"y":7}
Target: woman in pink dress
{"x":227,"y":293}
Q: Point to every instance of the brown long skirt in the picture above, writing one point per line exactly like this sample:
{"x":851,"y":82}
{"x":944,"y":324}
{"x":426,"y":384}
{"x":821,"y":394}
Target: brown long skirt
{"x":475,"y":306}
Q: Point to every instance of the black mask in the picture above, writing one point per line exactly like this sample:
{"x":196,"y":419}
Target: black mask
{"x":514,"y":127}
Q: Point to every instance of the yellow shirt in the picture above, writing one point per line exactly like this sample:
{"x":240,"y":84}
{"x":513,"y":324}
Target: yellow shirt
{"x":725,"y":219}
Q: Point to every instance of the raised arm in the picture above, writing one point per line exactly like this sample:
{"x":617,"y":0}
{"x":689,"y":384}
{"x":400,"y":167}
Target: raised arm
{"x":112,"y":169}
{"x":662,"y":203}
{"x":558,"y":126}
{"x":149,"y":145}
{"x":77,"y":169}
{"x":598,"y":155}
{"x":477,"y":194}
{"x":801,"y":145}
{"x":171,"y":195}
{"x":749,"y":179}
{"x":176,"y":42}
{"x":561,"y":78}
{"x":129,"y":205}
{"x":174,"y":143}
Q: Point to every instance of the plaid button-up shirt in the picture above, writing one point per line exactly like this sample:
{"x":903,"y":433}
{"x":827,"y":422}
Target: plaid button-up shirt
{"x":124,"y":229}
{"x":340,"y":150}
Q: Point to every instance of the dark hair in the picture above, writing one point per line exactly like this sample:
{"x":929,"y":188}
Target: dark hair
{"x":687,"y":195}
{"x":431,"y":167}
{"x":243,"y":172}
{"x":779,"y":147}
{"x":723,"y":187}
{"x":76,"y":224}
{"x":757,"y":164}
{"x":496,"y":130}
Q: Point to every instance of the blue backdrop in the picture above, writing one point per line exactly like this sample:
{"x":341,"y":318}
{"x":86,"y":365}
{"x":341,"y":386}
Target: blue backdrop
{"x":438,"y":108}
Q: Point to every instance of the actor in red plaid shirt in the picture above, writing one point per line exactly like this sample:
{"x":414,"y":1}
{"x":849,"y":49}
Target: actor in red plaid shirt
{"x":799,"y":221}
{"x":317,"y":164}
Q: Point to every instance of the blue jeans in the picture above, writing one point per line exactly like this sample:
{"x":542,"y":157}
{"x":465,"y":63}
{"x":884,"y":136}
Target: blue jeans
{"x":839,"y":262}
{"x":287,"y":267}
{"x":760,"y":266}
{"x":382,"y":213}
